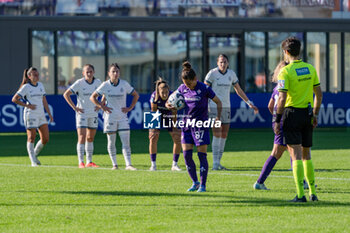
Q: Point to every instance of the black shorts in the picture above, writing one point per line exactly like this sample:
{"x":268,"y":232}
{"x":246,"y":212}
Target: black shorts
{"x":297,"y":126}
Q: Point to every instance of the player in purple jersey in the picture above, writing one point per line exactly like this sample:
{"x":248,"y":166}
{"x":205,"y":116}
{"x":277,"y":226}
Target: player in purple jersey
{"x":196,"y":96}
{"x":158,"y":99}
{"x":279,"y":146}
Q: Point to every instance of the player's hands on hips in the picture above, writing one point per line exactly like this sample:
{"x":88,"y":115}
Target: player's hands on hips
{"x":106,"y":109}
{"x":277,"y":128}
{"x":79,"y":110}
{"x":31,"y":106}
{"x":126,"y":110}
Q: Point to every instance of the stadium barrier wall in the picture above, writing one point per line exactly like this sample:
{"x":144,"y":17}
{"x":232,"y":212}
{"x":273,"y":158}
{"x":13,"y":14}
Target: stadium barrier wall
{"x":335,"y":112}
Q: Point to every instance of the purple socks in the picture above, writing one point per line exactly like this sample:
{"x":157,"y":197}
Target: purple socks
{"x":267,"y":168}
{"x":203,"y":167}
{"x":190,"y":165}
{"x":153,"y":157}
{"x":176,"y":157}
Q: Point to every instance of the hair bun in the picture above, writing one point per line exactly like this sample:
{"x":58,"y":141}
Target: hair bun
{"x":186,"y":65}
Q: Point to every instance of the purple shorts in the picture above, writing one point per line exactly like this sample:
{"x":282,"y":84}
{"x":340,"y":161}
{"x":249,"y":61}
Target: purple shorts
{"x":279,"y":139}
{"x":195,"y":136}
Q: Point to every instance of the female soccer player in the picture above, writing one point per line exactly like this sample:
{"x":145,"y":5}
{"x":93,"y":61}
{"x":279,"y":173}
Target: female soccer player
{"x":158,"y":99}
{"x":279,"y":146}
{"x":33,"y":93}
{"x":115,"y":116}
{"x":86,"y":113}
{"x":196,"y":96}
{"x":220,"y":79}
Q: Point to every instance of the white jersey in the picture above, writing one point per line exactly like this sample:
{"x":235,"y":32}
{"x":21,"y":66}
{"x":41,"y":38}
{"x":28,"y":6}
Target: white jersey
{"x":33,"y":95}
{"x":116,"y":96}
{"x":221,"y":85}
{"x":84,"y":90}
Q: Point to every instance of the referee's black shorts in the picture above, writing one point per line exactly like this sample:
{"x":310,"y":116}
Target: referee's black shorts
{"x":297,"y":126}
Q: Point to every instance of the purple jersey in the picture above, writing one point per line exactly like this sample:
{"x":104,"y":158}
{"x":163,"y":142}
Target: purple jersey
{"x":160,"y":104}
{"x":197,"y":100}
{"x":274,"y":96}
{"x":279,"y":139}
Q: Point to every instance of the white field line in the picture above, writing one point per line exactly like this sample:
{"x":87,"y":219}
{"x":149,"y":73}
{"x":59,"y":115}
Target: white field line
{"x":169,"y":171}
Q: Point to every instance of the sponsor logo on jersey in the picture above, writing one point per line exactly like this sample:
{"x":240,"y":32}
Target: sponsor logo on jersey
{"x":194,"y":98}
{"x":302,"y":71}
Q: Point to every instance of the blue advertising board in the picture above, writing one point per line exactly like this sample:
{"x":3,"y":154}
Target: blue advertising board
{"x":335,"y":112}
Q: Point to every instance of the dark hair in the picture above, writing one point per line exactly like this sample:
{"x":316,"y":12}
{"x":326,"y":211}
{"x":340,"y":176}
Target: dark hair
{"x":90,"y":66}
{"x":113,"y":65}
{"x":26,"y":73}
{"x":110,"y":66}
{"x":187,"y":71}
{"x":222,"y":55}
{"x":158,"y":82}
{"x":292,"y":45}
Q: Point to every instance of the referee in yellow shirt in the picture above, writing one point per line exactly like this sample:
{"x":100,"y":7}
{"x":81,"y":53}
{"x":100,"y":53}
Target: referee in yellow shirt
{"x":296,"y":84}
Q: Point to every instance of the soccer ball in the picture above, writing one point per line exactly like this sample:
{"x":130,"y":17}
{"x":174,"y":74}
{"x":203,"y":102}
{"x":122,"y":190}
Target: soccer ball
{"x":177,"y":100}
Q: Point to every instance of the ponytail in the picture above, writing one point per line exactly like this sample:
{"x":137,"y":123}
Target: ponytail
{"x":158,"y":82}
{"x":25,"y":78}
{"x":187,"y":71}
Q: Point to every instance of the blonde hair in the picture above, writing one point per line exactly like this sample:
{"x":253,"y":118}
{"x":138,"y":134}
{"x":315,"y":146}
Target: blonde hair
{"x":277,"y":71}
{"x":158,"y":82}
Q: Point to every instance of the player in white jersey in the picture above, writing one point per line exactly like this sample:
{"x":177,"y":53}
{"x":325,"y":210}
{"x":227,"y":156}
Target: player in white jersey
{"x":220,"y":79}
{"x":86,"y":113}
{"x":114,"y":91}
{"x":32,"y":92}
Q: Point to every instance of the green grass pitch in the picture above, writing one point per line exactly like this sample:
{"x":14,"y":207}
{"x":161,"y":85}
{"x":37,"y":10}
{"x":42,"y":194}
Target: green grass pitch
{"x":60,"y":197}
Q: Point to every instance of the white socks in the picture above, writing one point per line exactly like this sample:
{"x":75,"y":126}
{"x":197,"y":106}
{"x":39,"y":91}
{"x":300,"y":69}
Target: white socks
{"x":222,"y":148}
{"x":215,"y":145}
{"x":125,"y":139}
{"x":38,"y":147}
{"x":112,"y":150}
{"x":30,"y":149}
{"x":89,"y":149}
{"x":218,"y":147}
{"x":80,"y":152}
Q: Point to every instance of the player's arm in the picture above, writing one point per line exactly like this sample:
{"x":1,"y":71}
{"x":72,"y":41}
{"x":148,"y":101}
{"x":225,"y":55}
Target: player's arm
{"x":133,"y":102}
{"x":282,"y":97}
{"x":207,"y":83}
{"x":218,"y":106}
{"x":154,"y":107}
{"x":271,"y":105}
{"x":317,"y":103}
{"x":17,"y":100}
{"x":47,"y":109}
{"x":94,"y":99}
{"x":244,"y":97}
{"x":69,"y":100}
